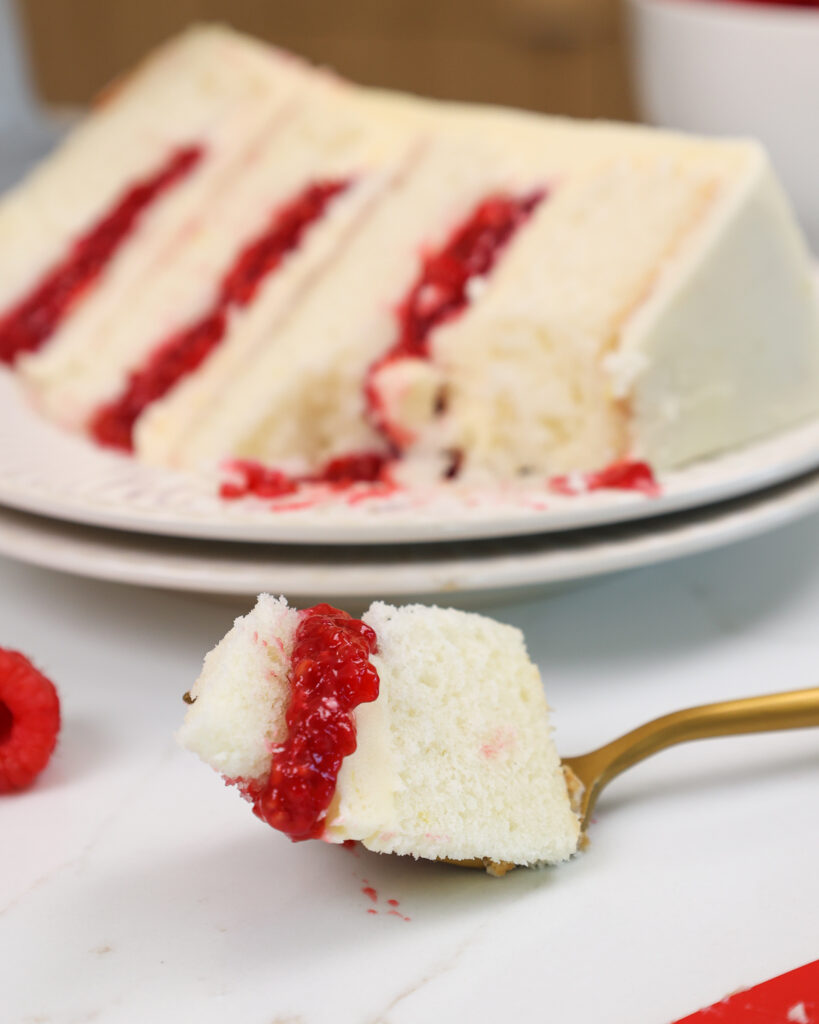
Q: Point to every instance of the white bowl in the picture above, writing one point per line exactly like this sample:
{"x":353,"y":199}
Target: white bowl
{"x":720,"y":68}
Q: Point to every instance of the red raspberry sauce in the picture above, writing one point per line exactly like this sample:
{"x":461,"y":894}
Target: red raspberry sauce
{"x":330,"y":676}
{"x":113,"y":424}
{"x":28,"y":324}
{"x":628,"y":475}
{"x":252,"y":478}
{"x":624,"y":476}
{"x":441,"y":290}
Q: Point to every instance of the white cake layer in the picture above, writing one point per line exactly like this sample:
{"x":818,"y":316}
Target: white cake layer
{"x":461,"y":740}
{"x":454,"y":759}
{"x":241,"y":696}
{"x":210,"y":89}
{"x":328,"y":138}
{"x":320,"y":137}
{"x":303,"y":396}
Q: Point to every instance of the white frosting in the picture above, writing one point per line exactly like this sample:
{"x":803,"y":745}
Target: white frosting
{"x":726,"y":348}
{"x":368,"y":781}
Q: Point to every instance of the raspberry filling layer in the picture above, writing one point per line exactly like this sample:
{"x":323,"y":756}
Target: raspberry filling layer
{"x":252,"y":478}
{"x":28,"y":324}
{"x":628,"y":475}
{"x":442,"y":289}
{"x":330,"y":675}
{"x":179,"y":355}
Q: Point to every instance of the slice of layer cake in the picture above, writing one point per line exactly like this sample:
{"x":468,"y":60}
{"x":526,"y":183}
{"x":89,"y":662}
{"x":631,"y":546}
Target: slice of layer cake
{"x":238,"y":257}
{"x":417,"y":731}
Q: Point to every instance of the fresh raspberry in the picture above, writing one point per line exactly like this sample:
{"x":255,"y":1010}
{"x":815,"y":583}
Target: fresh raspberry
{"x":29,"y":721}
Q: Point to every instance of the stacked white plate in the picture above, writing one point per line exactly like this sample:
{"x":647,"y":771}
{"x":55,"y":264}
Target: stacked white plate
{"x":70,"y":506}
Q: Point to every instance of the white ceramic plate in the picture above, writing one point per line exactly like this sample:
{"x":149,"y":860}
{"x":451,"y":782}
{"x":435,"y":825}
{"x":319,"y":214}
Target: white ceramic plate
{"x":50,"y":472}
{"x":465,"y":574}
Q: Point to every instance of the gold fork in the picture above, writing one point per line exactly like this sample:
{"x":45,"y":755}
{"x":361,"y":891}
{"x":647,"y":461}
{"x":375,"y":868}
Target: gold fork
{"x":795,"y":709}
{"x":587,"y":774}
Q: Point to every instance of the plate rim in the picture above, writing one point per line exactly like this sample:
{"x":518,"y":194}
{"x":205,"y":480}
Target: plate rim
{"x":551,"y":560}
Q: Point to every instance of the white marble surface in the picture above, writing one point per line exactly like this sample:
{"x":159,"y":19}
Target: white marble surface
{"x":134,"y":887}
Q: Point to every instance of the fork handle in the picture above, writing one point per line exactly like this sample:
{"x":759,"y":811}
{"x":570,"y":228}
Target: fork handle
{"x":796,"y":709}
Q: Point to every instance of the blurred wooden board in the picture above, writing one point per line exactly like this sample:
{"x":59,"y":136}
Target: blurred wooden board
{"x":562,"y":56}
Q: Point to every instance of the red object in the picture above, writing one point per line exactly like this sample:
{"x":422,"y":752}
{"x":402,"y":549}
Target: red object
{"x":180,"y":354}
{"x":621,"y":476}
{"x":358,"y":467}
{"x":252,"y":478}
{"x":28,"y":324}
{"x":330,"y":676}
{"x":624,"y":476}
{"x":791,"y":998}
{"x":441,"y":291}
{"x":29,"y":721}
